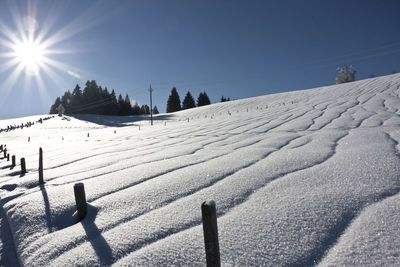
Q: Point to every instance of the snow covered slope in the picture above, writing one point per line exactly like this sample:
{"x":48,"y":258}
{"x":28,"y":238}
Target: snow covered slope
{"x":302,"y":178}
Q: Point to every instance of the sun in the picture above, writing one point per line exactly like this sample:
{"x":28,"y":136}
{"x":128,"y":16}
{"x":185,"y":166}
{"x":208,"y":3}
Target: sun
{"x":33,"y":54}
{"x":30,"y":55}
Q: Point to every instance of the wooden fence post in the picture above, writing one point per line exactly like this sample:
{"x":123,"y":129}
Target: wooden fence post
{"x":1,"y":148}
{"x":23,"y":166}
{"x":41,"y":181}
{"x":13,"y":161}
{"x":210,"y":229}
{"x":80,"y":199}
{"x":8,"y":157}
{"x":5,"y":152}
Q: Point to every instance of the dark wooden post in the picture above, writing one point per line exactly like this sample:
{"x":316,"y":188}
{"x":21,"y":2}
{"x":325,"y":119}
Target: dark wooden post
{"x":80,"y":199}
{"x":87,"y":134}
{"x":41,"y":181}
{"x":23,"y":166}
{"x":1,"y":147}
{"x":13,"y":161}
{"x":8,"y":157}
{"x":210,"y":229}
{"x":29,"y":139}
{"x":5,"y":152}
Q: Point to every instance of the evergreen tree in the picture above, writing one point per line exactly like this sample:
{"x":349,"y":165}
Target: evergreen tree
{"x":203,"y":99}
{"x":127,"y":109}
{"x":113,"y":106}
{"x":65,"y":100}
{"x":135,"y":108}
{"x":76,"y":99}
{"x":144,"y":110}
{"x":174,"y":102}
{"x":91,"y":98}
{"x":223,"y":99}
{"x":155,"y":110}
{"x":53,"y":108}
{"x":121,"y":104}
{"x":188,"y":102}
{"x":106,"y":102}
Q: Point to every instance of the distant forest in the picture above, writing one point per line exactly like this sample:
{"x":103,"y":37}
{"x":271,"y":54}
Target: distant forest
{"x":96,"y":100}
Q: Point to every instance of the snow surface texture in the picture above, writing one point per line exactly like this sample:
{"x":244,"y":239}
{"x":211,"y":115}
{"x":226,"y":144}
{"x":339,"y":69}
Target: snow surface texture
{"x":302,"y":178}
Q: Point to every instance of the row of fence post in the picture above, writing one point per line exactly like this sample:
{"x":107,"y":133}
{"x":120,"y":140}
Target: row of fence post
{"x":3,"y":148}
{"x":208,"y":212}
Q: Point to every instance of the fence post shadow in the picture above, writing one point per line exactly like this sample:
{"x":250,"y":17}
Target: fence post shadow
{"x":8,"y":254}
{"x":7,"y":167}
{"x":47,"y":207}
{"x":93,"y":233}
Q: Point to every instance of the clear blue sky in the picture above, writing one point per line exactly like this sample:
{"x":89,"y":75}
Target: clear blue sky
{"x":238,"y":49}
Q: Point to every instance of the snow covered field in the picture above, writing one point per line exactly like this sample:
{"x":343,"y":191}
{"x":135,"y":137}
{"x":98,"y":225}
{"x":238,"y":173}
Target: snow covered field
{"x":303,"y":178}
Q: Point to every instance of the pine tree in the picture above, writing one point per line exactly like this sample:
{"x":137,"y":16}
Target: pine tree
{"x":135,"y":108}
{"x":188,"y":102}
{"x":91,"y":98}
{"x":53,"y":108}
{"x":203,"y":99}
{"x":76,"y":99}
{"x":224,"y":99}
{"x":126,"y":106}
{"x":155,"y":110}
{"x":174,"y":102}
{"x":65,"y":100}
{"x":144,"y":110}
{"x":121,"y":104}
{"x":114,"y":104}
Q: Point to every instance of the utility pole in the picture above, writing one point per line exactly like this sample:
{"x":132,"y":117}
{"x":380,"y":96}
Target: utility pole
{"x":151,"y":105}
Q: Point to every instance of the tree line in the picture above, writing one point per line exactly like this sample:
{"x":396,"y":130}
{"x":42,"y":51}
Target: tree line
{"x":174,"y":101}
{"x":93,"y":99}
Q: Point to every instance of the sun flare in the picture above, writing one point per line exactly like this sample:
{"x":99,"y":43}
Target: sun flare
{"x":32,"y":51}
{"x":30,"y":55}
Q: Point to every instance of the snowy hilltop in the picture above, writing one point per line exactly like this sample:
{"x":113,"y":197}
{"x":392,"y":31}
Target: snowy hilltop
{"x":302,"y":178}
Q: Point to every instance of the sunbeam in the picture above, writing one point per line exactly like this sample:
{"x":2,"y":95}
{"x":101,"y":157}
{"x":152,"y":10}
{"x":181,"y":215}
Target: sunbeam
{"x":25,"y":55}
{"x":28,"y":48}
